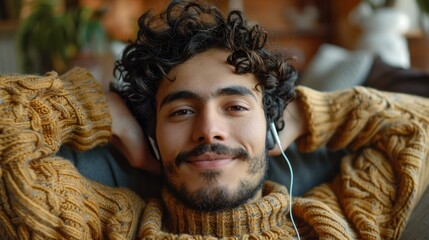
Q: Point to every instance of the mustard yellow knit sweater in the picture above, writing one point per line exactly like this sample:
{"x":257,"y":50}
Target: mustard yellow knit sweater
{"x":44,"y":196}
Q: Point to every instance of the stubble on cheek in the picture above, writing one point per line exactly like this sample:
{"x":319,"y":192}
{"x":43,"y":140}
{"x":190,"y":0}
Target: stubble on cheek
{"x":170,"y":173}
{"x":258,"y":163}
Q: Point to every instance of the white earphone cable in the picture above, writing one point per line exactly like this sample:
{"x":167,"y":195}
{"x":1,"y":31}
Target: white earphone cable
{"x":277,"y":139}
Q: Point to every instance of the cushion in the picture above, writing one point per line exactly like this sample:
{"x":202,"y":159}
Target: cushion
{"x":335,"y":68}
{"x":385,"y":77}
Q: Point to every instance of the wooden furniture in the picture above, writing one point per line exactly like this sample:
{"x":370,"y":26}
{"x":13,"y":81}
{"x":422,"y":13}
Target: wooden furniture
{"x":419,"y":51}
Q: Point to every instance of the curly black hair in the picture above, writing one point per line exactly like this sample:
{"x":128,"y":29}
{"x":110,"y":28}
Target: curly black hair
{"x":186,"y":29}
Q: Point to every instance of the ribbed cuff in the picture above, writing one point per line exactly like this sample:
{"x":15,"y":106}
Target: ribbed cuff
{"x":91,"y":109}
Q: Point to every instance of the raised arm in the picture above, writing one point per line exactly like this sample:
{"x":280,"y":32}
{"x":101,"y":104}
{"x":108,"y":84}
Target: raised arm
{"x":383,"y":177}
{"x":43,"y":196}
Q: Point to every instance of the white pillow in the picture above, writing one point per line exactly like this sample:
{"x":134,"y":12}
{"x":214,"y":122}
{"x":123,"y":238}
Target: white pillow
{"x":335,"y":68}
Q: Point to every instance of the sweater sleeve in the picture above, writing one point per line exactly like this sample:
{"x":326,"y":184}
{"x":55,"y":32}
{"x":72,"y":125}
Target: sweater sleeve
{"x":43,"y":196}
{"x":386,"y":172}
{"x":335,"y":118}
{"x":49,"y":111}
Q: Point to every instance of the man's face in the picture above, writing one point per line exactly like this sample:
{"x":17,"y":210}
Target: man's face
{"x":211,"y":132}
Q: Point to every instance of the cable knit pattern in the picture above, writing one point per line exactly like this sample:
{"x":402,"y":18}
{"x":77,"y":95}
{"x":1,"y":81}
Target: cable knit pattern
{"x":264,"y":219}
{"x":386,"y":172}
{"x":43,"y":196}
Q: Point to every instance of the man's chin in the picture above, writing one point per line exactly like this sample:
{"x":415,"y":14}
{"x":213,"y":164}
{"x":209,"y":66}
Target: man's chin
{"x":211,"y":197}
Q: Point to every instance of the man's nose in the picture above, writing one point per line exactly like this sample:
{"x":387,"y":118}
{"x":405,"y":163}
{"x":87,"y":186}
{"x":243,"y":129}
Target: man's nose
{"x":209,"y":127}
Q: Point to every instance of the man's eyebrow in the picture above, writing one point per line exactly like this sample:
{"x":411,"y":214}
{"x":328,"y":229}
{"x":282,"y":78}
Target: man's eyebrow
{"x":171,"y":97}
{"x":227,"y":91}
{"x":234,"y":90}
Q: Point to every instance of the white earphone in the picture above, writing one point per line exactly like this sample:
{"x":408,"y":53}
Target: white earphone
{"x":277,"y":141}
{"x":154,"y":148}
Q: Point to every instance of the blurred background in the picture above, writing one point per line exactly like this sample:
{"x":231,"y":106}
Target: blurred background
{"x":42,"y":35}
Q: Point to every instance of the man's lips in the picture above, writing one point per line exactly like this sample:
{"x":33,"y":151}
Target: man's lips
{"x":209,"y":157}
{"x":210,"y":160}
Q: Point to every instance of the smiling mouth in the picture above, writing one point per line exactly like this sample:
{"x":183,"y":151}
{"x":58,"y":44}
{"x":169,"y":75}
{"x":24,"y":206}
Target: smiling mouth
{"x":210,"y":161}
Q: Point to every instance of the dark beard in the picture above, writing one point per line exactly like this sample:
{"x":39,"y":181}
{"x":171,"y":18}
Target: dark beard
{"x":218,"y":198}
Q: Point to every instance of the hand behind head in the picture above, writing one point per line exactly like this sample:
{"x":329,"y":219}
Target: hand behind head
{"x":128,"y":136}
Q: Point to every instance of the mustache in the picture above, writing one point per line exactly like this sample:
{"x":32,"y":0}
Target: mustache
{"x":216,"y":148}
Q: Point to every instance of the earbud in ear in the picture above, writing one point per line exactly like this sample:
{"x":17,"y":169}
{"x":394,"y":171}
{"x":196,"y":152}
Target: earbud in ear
{"x":275,"y":135}
{"x":154,"y":148}
{"x":272,"y":136}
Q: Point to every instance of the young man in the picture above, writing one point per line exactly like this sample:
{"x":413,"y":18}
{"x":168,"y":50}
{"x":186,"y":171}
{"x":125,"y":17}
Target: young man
{"x":208,"y":81}
{"x":205,"y":90}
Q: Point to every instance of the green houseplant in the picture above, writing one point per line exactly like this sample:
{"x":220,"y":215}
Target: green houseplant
{"x":55,"y":32}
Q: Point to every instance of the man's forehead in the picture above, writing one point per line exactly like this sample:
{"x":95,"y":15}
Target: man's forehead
{"x":206,"y":75}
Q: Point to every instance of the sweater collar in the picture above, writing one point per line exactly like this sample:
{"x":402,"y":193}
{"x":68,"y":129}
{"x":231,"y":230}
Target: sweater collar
{"x":266,"y":214}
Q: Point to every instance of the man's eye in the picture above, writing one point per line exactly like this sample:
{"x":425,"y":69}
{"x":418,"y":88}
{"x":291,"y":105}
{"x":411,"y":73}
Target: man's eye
{"x":236,"y":108}
{"x":181,"y":112}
